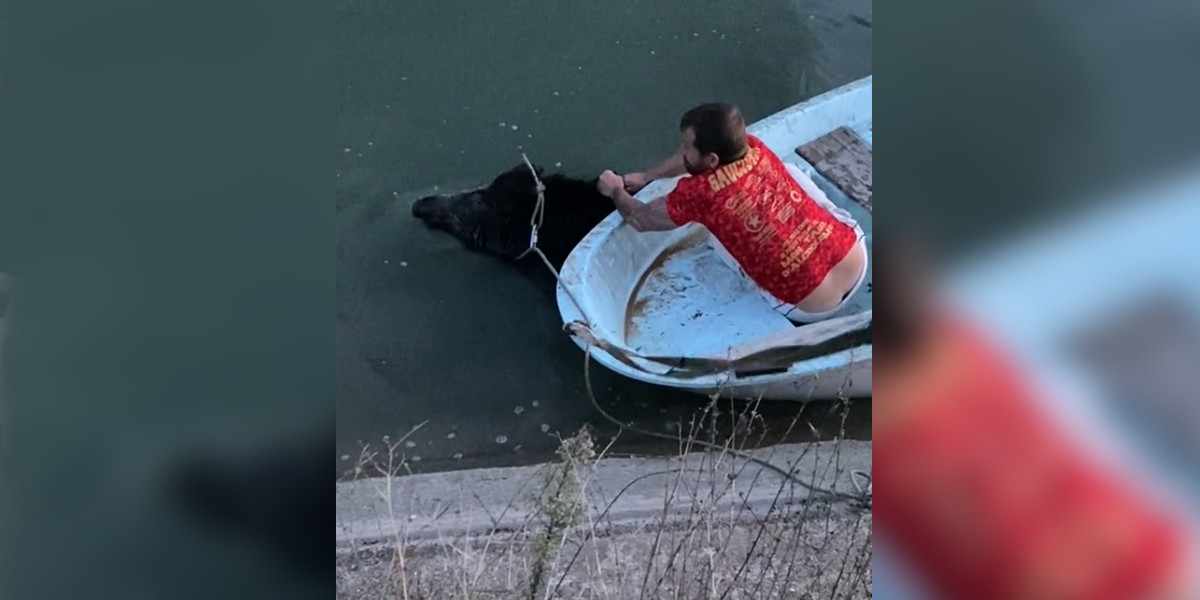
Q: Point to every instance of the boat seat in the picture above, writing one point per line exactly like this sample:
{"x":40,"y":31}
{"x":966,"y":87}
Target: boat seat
{"x":845,"y":160}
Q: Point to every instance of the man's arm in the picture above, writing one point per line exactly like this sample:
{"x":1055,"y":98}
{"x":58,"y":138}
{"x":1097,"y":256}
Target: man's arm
{"x":649,"y":216}
{"x":652,"y":216}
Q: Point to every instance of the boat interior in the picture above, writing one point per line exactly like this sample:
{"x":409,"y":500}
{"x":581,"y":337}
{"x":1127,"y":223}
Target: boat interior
{"x":689,"y":298}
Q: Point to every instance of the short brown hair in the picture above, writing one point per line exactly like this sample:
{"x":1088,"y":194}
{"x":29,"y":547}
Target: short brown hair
{"x":719,"y":129}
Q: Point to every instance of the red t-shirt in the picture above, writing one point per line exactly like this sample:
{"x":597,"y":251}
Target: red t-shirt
{"x":783,"y":239}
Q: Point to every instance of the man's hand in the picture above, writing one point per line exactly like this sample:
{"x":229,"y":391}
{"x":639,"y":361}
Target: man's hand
{"x":635,"y":181}
{"x":609,"y":183}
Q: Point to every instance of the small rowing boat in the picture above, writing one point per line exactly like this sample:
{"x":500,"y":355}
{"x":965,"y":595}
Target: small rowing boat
{"x":663,"y":308}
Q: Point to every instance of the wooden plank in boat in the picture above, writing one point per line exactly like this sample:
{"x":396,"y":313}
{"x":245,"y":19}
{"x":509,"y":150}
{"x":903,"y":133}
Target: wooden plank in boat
{"x":845,"y":159}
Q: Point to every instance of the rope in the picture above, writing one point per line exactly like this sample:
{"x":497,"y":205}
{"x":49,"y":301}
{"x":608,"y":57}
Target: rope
{"x":539,"y":213}
{"x":535,"y":223}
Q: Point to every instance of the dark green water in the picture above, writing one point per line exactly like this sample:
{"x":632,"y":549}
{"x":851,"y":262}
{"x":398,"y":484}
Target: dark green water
{"x":441,"y":96}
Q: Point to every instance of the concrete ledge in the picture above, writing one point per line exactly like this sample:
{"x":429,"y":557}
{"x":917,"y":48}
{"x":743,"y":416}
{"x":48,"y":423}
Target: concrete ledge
{"x":426,"y":508}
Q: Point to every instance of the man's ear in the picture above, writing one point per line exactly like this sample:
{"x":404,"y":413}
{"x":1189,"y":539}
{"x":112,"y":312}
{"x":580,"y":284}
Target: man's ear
{"x":711,"y":160}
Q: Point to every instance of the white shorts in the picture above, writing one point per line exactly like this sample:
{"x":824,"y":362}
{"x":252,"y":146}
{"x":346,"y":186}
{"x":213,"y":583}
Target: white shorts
{"x":789,"y":310}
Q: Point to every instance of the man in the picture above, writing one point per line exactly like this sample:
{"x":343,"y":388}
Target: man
{"x":806,"y":255}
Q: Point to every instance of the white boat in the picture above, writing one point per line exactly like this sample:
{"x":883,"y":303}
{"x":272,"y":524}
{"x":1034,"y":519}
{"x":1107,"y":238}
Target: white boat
{"x":662,"y":307}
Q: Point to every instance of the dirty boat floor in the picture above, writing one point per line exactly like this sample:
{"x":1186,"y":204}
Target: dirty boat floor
{"x":692,"y":284}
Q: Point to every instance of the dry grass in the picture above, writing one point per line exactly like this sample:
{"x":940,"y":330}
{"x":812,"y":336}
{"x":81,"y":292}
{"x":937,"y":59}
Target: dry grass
{"x":703,"y":543}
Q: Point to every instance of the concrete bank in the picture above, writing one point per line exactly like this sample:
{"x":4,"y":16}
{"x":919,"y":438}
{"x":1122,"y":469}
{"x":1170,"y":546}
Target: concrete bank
{"x":620,"y":493}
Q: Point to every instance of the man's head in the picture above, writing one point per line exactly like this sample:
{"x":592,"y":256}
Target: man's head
{"x":714,"y":134}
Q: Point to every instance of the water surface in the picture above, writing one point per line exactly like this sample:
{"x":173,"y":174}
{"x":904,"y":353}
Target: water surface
{"x":442,"y":96}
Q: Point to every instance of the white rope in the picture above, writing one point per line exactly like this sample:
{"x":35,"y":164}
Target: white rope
{"x":535,"y":223}
{"x":539,"y":211}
